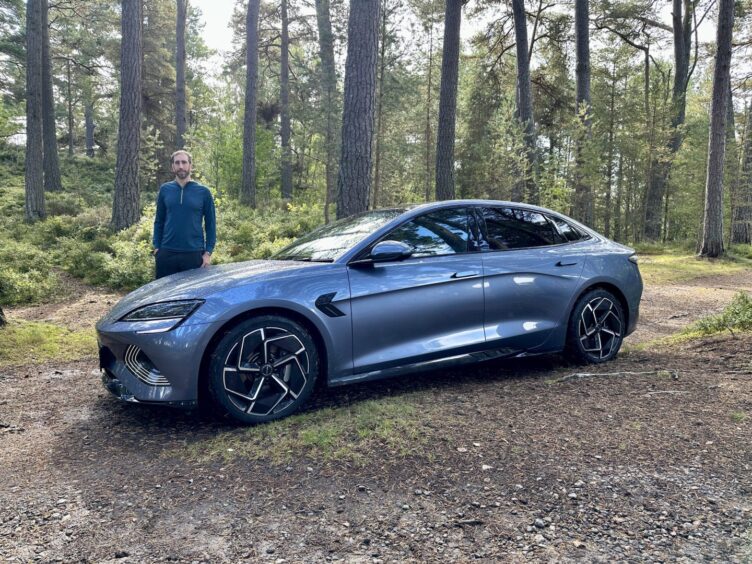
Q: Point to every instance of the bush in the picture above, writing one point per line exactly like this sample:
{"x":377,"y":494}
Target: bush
{"x":26,"y":273}
{"x":736,"y":316}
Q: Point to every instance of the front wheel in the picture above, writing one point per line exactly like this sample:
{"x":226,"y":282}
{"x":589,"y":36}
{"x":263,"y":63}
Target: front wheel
{"x":263,"y":369}
{"x":596,"y":328}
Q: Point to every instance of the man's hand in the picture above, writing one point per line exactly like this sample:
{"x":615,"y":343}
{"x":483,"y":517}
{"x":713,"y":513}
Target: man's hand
{"x":206,"y":259}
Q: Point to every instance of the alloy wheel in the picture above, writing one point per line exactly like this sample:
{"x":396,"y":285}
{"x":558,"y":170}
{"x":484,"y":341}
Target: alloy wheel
{"x":265,"y":371}
{"x":600,"y":327}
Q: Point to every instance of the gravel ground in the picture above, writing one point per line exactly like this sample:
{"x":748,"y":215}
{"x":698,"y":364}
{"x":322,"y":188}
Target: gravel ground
{"x":644,"y":459}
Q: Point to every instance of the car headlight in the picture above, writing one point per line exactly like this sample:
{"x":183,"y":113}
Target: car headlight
{"x":163,"y":310}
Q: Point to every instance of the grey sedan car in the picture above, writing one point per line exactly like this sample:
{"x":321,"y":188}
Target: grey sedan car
{"x":383,"y":293}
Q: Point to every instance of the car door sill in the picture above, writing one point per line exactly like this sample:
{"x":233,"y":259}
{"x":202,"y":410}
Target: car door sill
{"x":427,"y":365}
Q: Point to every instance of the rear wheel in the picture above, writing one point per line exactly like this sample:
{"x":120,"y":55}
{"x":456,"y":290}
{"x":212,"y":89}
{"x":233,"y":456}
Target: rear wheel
{"x":596,"y":328}
{"x":263,"y":369}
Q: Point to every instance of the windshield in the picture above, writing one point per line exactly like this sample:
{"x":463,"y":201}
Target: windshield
{"x":329,"y":242}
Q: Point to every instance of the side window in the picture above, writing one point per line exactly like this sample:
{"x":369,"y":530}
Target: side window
{"x":511,"y":228}
{"x":568,"y":232}
{"x":442,"y":232}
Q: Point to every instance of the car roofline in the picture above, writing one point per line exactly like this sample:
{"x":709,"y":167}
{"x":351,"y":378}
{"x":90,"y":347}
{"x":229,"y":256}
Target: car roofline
{"x":413,"y":210}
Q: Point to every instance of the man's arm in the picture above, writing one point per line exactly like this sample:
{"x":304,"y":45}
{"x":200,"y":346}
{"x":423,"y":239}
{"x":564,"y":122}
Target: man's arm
{"x":159,"y":221}
{"x":210,"y":222}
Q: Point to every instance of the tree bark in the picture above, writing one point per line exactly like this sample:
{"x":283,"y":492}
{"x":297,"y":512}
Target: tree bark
{"x":52,"y":182}
{"x":284,"y":94}
{"x":682,"y":28}
{"x":34,"y":208}
{"x":3,"y":321}
{"x":126,"y":206}
{"x":526,"y":187}
{"x":354,"y":182}
{"x":583,"y":196}
{"x":380,"y":106}
{"x":329,"y":88}
{"x":445,"y":189}
{"x":712,"y":234}
{"x":89,"y":125}
{"x":429,"y":103}
{"x":741,"y":226}
{"x":180,"y":104}
{"x":70,"y":108}
{"x":248,"y":182}
{"x":610,"y":155}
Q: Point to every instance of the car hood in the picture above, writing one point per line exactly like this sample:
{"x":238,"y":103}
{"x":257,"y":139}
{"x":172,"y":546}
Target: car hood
{"x":201,"y":282}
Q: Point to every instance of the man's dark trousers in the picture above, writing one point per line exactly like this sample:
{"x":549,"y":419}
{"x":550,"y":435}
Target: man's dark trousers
{"x":170,"y":262}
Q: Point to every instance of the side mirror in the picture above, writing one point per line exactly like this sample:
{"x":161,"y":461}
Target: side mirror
{"x":387,"y":251}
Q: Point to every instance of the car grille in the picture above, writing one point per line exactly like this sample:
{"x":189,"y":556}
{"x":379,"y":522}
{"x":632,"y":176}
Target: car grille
{"x":138,"y":363}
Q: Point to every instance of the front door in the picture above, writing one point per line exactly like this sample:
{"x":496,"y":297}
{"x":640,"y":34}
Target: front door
{"x":425,"y":307}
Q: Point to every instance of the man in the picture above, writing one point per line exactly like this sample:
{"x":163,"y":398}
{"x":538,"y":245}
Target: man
{"x":183,"y":205}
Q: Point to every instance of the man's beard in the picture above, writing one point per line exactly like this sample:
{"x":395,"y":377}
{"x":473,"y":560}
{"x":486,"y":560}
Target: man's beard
{"x":182,"y":174}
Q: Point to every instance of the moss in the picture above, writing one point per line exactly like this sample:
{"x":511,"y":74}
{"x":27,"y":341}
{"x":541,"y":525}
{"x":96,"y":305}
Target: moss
{"x":25,"y":341}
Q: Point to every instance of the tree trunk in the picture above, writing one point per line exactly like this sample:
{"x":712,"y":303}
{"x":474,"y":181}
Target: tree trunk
{"x":682,"y":26}
{"x":329,"y":88}
{"x":526,"y":186}
{"x":3,"y":322}
{"x":89,"y":124}
{"x":52,"y":181}
{"x":248,"y":182}
{"x":429,"y":95}
{"x":583,"y":196}
{"x":741,"y":226}
{"x":354,"y":182}
{"x":379,"y":107}
{"x":70,"y":109}
{"x":284,"y":94}
{"x":180,"y":108}
{"x":731,"y":158}
{"x":34,"y":208}
{"x":126,"y":206}
{"x":448,"y":101}
{"x":619,"y":198}
{"x":712,"y":234}
{"x":610,"y":155}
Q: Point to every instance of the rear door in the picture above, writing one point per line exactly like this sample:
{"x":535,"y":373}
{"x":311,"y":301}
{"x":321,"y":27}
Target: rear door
{"x":530,"y":275}
{"x":426,"y":307}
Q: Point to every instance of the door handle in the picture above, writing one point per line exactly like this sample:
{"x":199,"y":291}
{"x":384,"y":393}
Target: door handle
{"x":565,"y":263}
{"x":465,"y":274}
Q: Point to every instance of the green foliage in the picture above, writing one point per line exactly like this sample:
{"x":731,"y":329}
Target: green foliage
{"x":737,"y":316}
{"x":352,"y":434}
{"x":22,"y":341}
{"x":25,"y":273}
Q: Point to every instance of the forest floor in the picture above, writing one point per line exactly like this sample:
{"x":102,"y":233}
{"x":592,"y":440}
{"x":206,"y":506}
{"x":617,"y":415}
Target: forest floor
{"x":644,"y":459}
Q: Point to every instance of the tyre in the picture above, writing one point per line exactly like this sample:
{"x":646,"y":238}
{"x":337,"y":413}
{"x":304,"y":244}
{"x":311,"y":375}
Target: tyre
{"x":596,"y":328}
{"x":263,"y":369}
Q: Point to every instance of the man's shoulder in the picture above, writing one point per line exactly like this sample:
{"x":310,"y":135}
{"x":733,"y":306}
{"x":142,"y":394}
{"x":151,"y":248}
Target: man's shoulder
{"x":168,"y":185}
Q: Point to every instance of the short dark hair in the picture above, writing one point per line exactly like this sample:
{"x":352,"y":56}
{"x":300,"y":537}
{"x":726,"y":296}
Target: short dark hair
{"x":178,"y":152}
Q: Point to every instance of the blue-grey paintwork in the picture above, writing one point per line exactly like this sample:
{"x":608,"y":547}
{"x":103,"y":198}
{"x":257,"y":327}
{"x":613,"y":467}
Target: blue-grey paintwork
{"x":398,"y":315}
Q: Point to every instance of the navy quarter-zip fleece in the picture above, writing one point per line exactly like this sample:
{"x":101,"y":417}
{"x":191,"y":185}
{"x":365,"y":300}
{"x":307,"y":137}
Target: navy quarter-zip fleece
{"x":180,"y":214}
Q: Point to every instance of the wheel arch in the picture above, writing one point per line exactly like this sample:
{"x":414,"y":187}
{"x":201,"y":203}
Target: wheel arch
{"x":611,"y":288}
{"x":318,"y":339}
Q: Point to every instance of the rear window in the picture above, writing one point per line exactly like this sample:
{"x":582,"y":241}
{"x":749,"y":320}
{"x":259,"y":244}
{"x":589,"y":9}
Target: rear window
{"x":512,"y":228}
{"x":568,"y":231}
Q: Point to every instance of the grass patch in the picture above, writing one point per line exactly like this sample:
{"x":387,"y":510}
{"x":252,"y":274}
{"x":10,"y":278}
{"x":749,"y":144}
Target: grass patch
{"x":32,"y":341}
{"x":669,"y":268}
{"x":357,"y":434}
{"x":738,"y":416}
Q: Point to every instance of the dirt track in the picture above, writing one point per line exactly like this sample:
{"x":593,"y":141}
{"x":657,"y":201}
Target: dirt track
{"x":513,"y":461}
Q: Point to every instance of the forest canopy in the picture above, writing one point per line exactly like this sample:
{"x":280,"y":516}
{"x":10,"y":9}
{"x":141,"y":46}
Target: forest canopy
{"x":602,"y":110}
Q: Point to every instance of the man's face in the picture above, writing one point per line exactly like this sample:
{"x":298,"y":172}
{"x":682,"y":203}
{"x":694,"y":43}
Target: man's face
{"x":181,"y":166}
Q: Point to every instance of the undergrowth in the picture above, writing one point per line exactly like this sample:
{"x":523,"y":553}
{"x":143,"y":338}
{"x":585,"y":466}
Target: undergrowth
{"x":355,"y":434}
